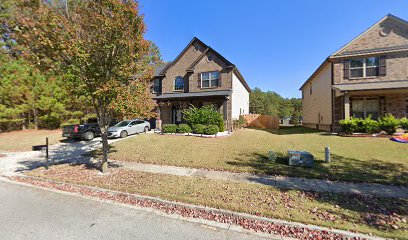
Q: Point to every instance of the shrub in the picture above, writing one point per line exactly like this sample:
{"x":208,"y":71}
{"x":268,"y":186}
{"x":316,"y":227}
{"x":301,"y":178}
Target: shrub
{"x":206,"y":115}
{"x":184,"y":128}
{"x":211,"y":129}
{"x":199,"y":128}
{"x":221,"y":125}
{"x":369,"y":125}
{"x":404,"y":123}
{"x":169,"y":128}
{"x":349,"y":126}
{"x":388,"y":123}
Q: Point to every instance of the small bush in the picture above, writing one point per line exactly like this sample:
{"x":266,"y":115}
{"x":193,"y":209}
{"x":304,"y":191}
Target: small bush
{"x":388,"y":123}
{"x":404,"y":123}
{"x":349,"y":126}
{"x":169,"y":128}
{"x":199,"y":128}
{"x":370,"y":126}
{"x":211,"y":129}
{"x":184,"y":128}
{"x":221,"y":125}
{"x":206,"y":115}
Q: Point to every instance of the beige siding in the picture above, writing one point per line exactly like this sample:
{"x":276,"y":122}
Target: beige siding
{"x":240,"y":98}
{"x":318,"y":104}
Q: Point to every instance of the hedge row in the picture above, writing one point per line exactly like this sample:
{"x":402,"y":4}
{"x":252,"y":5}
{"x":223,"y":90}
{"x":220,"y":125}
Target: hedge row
{"x":185,"y":128}
{"x":387,"y":123}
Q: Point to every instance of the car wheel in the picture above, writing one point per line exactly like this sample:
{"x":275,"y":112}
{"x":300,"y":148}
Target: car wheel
{"x":88,"y":136}
{"x":146,"y":129}
{"x":123,"y":134}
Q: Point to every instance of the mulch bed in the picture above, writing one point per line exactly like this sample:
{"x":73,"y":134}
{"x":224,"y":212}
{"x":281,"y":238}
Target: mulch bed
{"x":247,"y":223}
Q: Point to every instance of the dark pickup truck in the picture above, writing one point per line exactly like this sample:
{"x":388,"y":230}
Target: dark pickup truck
{"x":86,"y":131}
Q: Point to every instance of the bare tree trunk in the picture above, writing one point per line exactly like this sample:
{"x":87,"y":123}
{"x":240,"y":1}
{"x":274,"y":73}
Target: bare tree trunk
{"x":103,"y":119}
{"x":35,"y":116}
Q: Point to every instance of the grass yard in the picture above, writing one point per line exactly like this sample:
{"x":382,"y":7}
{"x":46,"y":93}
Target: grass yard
{"x":374,"y":160}
{"x":379,"y":216}
{"x":18,"y":141}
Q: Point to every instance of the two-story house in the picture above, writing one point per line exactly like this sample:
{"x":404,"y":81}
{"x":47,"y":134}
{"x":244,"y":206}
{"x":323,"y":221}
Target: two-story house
{"x":199,"y":76}
{"x":366,"y":77}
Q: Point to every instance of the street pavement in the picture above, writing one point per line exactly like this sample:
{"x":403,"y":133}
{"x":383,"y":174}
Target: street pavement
{"x":32,"y":213}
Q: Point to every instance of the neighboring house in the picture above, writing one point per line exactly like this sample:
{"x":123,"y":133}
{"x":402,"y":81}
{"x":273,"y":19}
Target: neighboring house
{"x":366,"y":77}
{"x":199,"y":76}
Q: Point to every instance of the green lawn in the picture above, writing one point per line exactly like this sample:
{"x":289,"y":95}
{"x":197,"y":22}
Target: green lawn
{"x":376,"y":160}
{"x":378,"y":216}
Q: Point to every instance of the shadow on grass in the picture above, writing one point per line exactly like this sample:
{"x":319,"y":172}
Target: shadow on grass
{"x":340,"y":169}
{"x":288,"y":130}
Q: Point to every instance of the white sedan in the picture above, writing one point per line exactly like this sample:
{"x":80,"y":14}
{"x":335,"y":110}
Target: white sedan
{"x":128,"y":127}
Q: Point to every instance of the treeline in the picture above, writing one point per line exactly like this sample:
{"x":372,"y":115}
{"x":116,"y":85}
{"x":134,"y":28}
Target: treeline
{"x":271,"y":103}
{"x":32,"y":99}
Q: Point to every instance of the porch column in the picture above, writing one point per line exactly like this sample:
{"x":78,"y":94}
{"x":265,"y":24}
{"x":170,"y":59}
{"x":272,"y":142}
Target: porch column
{"x":346,"y":106}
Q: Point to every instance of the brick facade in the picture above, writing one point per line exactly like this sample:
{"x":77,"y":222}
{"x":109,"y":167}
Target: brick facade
{"x":197,"y":58}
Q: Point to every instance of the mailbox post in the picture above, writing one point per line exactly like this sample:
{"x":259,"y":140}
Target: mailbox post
{"x":43,"y":148}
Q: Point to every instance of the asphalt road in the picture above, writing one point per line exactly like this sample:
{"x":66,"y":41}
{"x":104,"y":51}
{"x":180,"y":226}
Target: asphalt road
{"x":30,"y":213}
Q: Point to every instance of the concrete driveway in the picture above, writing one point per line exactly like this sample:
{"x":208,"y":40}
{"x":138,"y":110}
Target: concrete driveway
{"x":70,"y":151}
{"x":31,"y":213}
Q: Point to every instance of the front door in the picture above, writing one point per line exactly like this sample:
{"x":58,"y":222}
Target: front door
{"x":177,"y":115}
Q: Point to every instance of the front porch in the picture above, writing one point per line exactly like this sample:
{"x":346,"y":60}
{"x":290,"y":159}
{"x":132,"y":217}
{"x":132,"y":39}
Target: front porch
{"x":374,"y":103}
{"x":171,"y":106}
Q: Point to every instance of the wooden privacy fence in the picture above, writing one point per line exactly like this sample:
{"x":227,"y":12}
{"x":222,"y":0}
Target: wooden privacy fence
{"x":261,"y":121}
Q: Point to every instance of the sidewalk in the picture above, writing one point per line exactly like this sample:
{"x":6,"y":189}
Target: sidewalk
{"x":276,"y":181}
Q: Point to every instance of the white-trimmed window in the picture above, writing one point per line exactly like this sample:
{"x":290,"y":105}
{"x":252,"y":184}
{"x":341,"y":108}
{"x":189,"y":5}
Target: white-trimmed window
{"x":365,"y":67}
{"x":156,"y":86}
{"x":209,"y":79}
{"x":178,"y":83}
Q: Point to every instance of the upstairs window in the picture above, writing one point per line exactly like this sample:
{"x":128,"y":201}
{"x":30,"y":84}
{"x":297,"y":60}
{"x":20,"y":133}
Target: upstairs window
{"x":311,"y":89}
{"x":365,"y":67}
{"x":156,"y":86}
{"x":209,"y":79}
{"x":178,"y":83}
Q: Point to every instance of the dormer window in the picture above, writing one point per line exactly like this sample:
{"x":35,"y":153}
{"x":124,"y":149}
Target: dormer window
{"x":209,"y":79}
{"x":179,"y":83}
{"x":156,"y":86}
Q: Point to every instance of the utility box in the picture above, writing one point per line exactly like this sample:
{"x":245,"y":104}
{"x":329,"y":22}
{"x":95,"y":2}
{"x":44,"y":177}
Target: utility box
{"x":300,"y":158}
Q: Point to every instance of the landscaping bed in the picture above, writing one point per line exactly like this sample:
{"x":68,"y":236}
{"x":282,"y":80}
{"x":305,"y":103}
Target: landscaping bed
{"x":371,"y":215}
{"x":371,"y":160}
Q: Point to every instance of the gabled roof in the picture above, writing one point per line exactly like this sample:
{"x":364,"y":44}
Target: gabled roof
{"x":339,"y":53}
{"x":388,"y":16}
{"x":208,"y":49}
{"x":160,"y":68}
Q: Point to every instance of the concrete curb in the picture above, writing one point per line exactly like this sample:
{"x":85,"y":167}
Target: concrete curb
{"x":193,"y":207}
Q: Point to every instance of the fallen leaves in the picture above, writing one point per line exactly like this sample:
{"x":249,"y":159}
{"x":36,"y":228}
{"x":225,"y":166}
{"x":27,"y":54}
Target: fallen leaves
{"x":252,"y":224}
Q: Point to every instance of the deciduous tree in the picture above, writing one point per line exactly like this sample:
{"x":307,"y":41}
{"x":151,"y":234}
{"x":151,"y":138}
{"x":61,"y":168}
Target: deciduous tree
{"x":100,"y":43}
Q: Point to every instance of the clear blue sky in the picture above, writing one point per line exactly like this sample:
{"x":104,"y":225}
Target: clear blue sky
{"x":276,"y":44}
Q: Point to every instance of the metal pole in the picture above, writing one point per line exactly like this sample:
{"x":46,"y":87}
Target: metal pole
{"x":327,"y":154}
{"x":46,"y":153}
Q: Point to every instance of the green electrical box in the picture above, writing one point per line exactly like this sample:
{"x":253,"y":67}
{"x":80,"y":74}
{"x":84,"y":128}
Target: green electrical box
{"x":300,"y":158}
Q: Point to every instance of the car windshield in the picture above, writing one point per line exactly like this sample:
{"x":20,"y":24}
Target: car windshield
{"x":122,"y":124}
